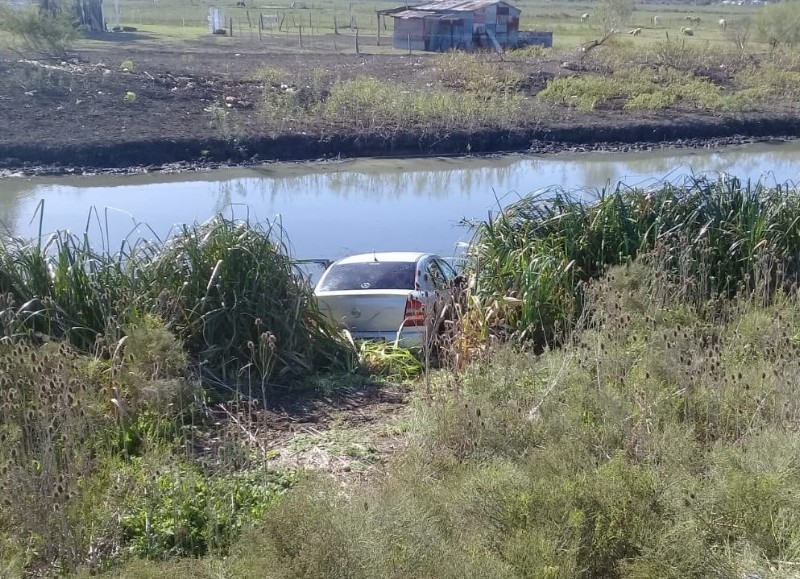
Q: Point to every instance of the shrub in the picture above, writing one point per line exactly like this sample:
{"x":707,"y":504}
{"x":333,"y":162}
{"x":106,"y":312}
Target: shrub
{"x":41,"y":31}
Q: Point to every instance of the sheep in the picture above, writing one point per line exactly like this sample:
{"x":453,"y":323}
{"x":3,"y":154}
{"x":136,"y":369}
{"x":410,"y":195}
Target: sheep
{"x":584,"y":17}
{"x":656,"y":20}
{"x":693,"y":19}
{"x":722,"y":24}
{"x":635,"y":32}
{"x":687,"y":31}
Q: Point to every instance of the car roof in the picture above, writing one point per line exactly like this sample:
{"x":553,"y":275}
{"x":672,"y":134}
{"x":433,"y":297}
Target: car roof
{"x":394,"y":256}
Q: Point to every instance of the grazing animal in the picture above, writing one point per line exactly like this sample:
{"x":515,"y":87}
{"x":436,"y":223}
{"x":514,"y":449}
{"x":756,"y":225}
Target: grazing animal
{"x":687,"y":31}
{"x":693,"y":19}
{"x":584,"y":17}
{"x":240,"y":4}
{"x":722,"y":24}
{"x":656,"y":20}
{"x":635,"y":32}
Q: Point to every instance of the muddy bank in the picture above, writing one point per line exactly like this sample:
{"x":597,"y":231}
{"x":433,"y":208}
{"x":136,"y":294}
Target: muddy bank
{"x":195,"y":153}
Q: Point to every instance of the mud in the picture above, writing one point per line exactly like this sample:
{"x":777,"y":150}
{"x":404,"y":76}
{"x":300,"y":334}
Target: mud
{"x":72,"y":116}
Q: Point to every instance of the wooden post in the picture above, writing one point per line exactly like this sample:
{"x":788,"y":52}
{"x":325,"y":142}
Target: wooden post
{"x":249,"y":24}
{"x":260,"y":25}
{"x":409,"y":45}
{"x":379,"y":28}
{"x":357,"y":50}
{"x":230,"y":25}
{"x":300,"y":33}
{"x":335,"y":26}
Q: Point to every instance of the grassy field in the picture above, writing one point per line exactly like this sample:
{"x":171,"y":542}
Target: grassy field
{"x":188,"y":20}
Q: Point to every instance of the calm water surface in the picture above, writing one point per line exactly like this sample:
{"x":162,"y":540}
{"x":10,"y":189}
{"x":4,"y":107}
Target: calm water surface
{"x":330,"y":210}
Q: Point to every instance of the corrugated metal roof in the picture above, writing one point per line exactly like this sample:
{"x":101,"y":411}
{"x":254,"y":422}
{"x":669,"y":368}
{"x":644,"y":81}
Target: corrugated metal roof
{"x":457,"y":5}
{"x":407,"y":14}
{"x":410,"y":14}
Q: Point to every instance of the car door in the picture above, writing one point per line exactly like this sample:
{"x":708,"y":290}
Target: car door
{"x":441,"y":290}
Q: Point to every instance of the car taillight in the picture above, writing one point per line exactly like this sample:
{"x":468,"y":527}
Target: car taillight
{"x":415,"y":313}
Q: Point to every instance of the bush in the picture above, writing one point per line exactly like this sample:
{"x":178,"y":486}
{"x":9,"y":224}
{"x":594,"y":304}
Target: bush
{"x":41,"y":31}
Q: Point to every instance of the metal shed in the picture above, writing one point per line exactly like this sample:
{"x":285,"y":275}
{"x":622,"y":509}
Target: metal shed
{"x":456,"y":24}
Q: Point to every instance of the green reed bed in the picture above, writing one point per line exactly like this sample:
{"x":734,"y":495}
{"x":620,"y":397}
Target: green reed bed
{"x":720,"y":235}
{"x":229,"y":290}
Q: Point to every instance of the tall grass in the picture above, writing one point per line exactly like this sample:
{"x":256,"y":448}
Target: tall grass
{"x":229,"y":290}
{"x":653,"y":444}
{"x":720,"y":236}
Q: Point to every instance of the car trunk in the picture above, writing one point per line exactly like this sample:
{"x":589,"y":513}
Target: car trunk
{"x":365,"y":310}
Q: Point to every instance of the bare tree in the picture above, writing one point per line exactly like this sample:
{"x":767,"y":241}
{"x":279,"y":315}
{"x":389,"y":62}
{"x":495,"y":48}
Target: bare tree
{"x":612,"y":15}
{"x":739,"y":34}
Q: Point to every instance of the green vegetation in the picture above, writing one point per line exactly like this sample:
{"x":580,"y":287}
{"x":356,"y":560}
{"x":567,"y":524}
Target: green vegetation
{"x":639,"y":421}
{"x":779,"y":24}
{"x":227,"y":290}
{"x":719,"y":238}
{"x":648,"y":447}
{"x":49,"y":32}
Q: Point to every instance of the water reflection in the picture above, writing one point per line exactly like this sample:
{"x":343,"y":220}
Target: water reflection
{"x":330,"y":209}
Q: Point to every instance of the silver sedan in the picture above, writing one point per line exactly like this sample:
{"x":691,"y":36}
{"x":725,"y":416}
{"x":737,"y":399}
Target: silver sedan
{"x":399,"y":297}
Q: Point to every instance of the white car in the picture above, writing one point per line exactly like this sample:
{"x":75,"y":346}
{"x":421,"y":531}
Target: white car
{"x":395,"y":297}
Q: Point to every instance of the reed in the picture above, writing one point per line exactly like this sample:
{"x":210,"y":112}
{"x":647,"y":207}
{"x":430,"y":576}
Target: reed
{"x":228,"y":289}
{"x":720,"y":235}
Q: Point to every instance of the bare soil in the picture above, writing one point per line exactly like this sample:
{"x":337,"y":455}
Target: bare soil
{"x":350,"y":436}
{"x":73,"y":115}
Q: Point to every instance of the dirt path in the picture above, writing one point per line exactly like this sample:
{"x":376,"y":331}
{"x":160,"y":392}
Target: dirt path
{"x":349,"y":437}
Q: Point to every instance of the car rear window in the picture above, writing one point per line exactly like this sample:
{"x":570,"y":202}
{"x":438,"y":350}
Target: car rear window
{"x":371,"y":275}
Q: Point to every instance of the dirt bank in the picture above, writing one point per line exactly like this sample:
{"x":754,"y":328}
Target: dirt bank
{"x":131,"y":107}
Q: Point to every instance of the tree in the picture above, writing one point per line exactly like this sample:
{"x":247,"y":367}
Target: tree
{"x":614,"y":14}
{"x":779,"y":24}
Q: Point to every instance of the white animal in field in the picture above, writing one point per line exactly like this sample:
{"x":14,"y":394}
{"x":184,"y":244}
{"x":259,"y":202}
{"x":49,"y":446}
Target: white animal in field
{"x":635,"y":32}
{"x":693,"y":19}
{"x":584,"y":17}
{"x":722,"y":24}
{"x":655,"y":20}
{"x":687,"y":31}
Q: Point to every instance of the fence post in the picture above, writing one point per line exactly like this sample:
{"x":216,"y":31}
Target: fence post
{"x":230,"y":26}
{"x":357,"y":50}
{"x":379,"y":28}
{"x":409,"y":44}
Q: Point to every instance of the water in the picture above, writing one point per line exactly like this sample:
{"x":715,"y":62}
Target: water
{"x":331,"y":210}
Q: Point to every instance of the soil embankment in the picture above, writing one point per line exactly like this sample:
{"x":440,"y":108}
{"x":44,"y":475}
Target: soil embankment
{"x":162,"y":110}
